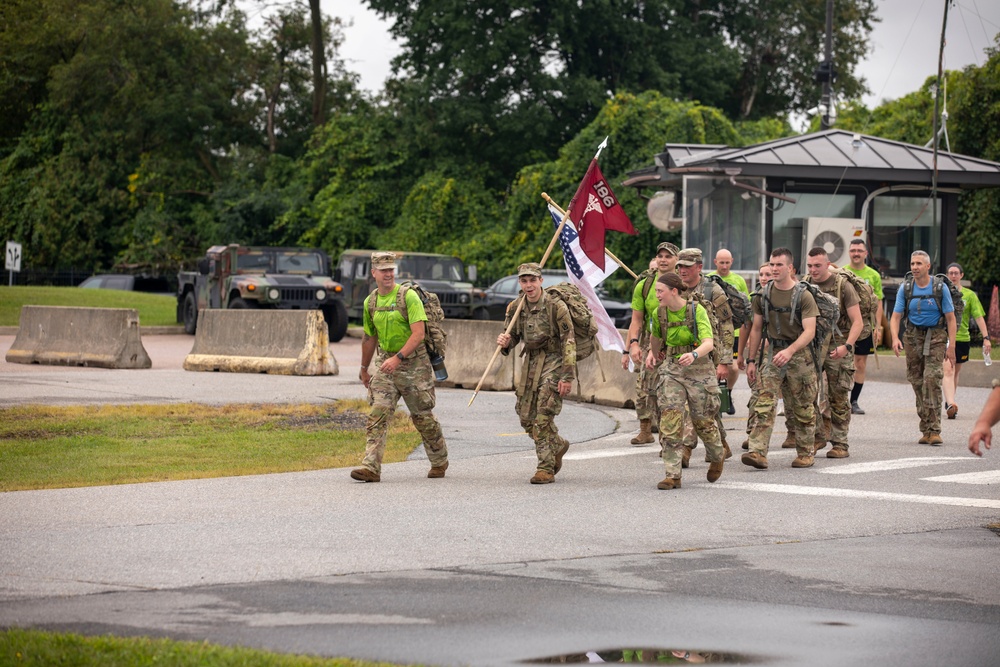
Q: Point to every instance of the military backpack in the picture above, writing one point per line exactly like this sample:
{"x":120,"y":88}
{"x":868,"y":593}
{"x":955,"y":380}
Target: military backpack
{"x":829,"y":313}
{"x":435,"y":337}
{"x":939,"y":282}
{"x":867,"y":301}
{"x":739,"y":303}
{"x":584,"y":324}
{"x":691,"y":322}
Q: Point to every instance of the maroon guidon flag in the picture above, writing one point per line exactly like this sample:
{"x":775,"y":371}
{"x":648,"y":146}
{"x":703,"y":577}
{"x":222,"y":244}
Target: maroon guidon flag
{"x":594,"y":210}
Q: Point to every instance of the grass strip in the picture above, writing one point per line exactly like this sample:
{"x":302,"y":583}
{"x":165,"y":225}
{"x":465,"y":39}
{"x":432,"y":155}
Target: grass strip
{"x":48,"y":447}
{"x":154,"y":309}
{"x":32,"y":648}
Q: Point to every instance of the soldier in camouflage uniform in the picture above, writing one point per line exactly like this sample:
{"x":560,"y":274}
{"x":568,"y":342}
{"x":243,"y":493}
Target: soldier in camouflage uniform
{"x":689,"y":263}
{"x":402,"y":369}
{"x":681,"y":356}
{"x":788,"y":366}
{"x":929,"y":340}
{"x":548,"y":369}
{"x":834,"y":421}
{"x":644,"y":324}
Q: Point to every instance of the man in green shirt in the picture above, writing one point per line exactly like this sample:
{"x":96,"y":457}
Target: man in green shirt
{"x":973,"y":311}
{"x":723,"y":269}
{"x":644,"y":323}
{"x":403,"y":369}
{"x":865,"y":346}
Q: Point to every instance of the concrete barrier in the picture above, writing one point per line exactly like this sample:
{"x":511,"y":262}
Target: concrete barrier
{"x":67,"y":336}
{"x":471,"y":344}
{"x":280,"y":342}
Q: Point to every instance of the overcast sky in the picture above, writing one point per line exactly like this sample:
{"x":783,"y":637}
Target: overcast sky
{"x":905,"y":43}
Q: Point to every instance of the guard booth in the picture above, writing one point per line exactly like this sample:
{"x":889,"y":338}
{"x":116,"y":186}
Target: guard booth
{"x":818,"y":189}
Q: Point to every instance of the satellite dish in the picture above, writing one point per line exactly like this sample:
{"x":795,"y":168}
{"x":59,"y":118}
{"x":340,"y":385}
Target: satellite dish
{"x":661,"y":209}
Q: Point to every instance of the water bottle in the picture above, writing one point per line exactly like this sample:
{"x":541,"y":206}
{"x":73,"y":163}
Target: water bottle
{"x":724,"y":397}
{"x":440,"y":372}
{"x":986,"y":358}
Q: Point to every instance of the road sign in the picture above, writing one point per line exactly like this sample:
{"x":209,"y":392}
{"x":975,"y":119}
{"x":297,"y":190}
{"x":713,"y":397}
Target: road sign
{"x":13,"y":262}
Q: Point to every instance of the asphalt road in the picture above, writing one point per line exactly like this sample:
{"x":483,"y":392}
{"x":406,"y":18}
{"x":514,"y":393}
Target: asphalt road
{"x":886,"y":557}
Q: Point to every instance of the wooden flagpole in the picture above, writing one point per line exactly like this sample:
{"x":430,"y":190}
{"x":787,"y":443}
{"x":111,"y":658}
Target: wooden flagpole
{"x":520,"y":304}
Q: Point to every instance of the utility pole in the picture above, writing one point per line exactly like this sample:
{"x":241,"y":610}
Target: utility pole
{"x":937,"y":100}
{"x":826,"y":74}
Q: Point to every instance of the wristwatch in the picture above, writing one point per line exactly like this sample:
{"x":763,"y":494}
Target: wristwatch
{"x":850,"y":348}
{"x":632,"y":340}
{"x":400,"y":355}
{"x":694,"y":353}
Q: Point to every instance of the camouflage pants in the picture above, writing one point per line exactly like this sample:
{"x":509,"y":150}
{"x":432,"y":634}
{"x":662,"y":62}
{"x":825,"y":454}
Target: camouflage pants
{"x":925,"y":374}
{"x":688,"y":391}
{"x":413,"y":381}
{"x":537,"y":409}
{"x":645,"y":391}
{"x":798,"y":385}
{"x":833,"y":416}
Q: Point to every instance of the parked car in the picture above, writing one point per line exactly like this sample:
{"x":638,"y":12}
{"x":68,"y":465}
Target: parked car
{"x":505,"y":290}
{"x":128,"y":282}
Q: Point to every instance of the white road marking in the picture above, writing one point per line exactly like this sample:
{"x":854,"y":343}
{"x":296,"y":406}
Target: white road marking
{"x":862,"y":495}
{"x":983,"y":477}
{"x":893,"y":464}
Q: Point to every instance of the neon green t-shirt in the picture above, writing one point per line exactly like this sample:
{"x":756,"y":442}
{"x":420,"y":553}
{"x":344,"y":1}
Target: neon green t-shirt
{"x":647,"y":307}
{"x":677,"y":336}
{"x":870,"y":276}
{"x":393,"y":331}
{"x":973,"y":309}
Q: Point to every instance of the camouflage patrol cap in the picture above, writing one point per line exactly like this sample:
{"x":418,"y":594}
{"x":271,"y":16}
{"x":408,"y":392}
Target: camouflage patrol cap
{"x":669,"y":247}
{"x":383,"y":260}
{"x":689,"y":257}
{"x":529,"y":269}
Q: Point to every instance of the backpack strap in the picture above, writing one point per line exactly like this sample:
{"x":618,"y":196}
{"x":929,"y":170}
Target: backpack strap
{"x":647,"y":285}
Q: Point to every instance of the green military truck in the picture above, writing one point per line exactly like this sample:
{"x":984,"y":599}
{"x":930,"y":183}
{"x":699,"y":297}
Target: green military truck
{"x":235,"y":276}
{"x":444,"y":275}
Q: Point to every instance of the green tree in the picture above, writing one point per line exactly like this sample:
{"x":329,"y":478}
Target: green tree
{"x":975,"y":130}
{"x":780,"y":45}
{"x":515,"y":80}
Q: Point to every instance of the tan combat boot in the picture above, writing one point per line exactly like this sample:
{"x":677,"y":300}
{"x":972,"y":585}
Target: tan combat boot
{"x":560,"y":454}
{"x":686,"y":456}
{"x":365,"y":475}
{"x":714,"y":471}
{"x":669,"y":483}
{"x":645,"y":436}
{"x":542,"y":477}
{"x":437,"y":472}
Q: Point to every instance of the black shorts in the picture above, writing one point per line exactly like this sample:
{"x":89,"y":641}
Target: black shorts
{"x":961,"y":351}
{"x":863,"y":347}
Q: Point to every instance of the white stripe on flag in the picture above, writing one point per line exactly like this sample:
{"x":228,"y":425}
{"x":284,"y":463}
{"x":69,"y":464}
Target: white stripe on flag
{"x":586,"y":275}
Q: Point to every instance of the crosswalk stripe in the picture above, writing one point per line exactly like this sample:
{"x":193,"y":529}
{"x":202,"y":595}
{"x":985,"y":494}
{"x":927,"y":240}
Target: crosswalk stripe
{"x":983,"y":477}
{"x":893,"y":464}
{"x":862,"y":495}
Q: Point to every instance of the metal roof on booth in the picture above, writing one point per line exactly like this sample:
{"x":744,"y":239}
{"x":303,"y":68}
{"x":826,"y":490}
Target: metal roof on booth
{"x":835,"y":155}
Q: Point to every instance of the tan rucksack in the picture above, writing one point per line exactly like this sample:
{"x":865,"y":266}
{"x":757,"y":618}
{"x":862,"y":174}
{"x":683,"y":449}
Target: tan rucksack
{"x":584,"y":324}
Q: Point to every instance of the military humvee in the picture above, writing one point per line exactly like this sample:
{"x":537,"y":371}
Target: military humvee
{"x":235,"y":276}
{"x":444,"y":275}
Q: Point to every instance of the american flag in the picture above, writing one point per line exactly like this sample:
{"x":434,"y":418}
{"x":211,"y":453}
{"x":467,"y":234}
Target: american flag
{"x":586,"y":275}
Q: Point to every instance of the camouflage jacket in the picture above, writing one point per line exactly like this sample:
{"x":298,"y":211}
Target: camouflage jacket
{"x":722,"y":312}
{"x":546,"y":329}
